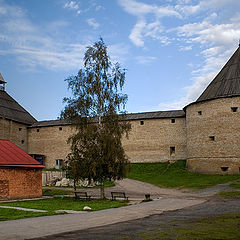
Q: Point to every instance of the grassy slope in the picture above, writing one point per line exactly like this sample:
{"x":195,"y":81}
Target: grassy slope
{"x":175,"y":176}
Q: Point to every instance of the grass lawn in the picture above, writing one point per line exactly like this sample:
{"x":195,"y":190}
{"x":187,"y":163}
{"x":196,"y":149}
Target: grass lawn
{"x":53,"y":204}
{"x":46,"y":191}
{"x":235,"y":184}
{"x":224,"y":227}
{"x":232,"y":194}
{"x":13,"y":214}
{"x":175,"y":176}
{"x":67,"y":203}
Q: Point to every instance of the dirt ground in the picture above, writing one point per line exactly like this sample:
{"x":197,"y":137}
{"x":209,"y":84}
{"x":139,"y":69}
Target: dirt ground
{"x":161,"y":222}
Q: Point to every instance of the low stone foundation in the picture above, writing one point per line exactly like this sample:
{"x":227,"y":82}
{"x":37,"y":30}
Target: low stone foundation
{"x":214,"y":165}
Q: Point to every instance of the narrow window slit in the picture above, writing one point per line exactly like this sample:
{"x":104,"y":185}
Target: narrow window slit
{"x":224,"y":169}
{"x":212,"y":138}
{"x":172,"y":151}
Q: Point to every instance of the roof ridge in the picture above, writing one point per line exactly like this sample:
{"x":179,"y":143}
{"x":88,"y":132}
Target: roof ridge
{"x":226,"y":82}
{"x":11,"y":109}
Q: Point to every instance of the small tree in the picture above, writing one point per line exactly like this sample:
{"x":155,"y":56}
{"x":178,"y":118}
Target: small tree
{"x":96,"y":110}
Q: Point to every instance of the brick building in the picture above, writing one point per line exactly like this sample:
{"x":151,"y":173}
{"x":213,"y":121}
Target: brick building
{"x":20,"y":174}
{"x":206,"y":132}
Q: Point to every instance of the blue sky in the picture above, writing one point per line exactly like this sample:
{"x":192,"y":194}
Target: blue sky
{"x":172,"y":49}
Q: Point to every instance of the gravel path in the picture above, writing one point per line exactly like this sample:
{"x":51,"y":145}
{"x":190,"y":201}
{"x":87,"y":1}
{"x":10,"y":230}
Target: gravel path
{"x":136,"y":190}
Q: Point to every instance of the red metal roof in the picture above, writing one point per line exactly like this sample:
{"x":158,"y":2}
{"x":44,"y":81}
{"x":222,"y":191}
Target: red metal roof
{"x":12,"y":155}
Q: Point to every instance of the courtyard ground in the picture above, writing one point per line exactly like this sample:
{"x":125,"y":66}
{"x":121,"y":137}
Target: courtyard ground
{"x":198,"y":222}
{"x":165,"y":200}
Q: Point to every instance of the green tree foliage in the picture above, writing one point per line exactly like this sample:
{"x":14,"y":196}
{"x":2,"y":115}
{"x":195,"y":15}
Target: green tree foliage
{"x":96,"y":109}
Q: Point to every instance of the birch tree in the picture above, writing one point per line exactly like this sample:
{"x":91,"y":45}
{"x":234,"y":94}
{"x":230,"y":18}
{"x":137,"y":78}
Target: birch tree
{"x":97,"y":110}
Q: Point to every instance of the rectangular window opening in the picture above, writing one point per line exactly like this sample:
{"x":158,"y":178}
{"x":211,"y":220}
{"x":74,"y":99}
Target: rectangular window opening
{"x":40,"y":158}
{"x":234,"y":109}
{"x":37,"y":129}
{"x":58,"y":163}
{"x":172,"y":151}
{"x":212,"y":138}
{"x":60,"y":128}
{"x":20,"y":129}
{"x":224,"y":169}
{"x":173,"y":120}
{"x":199,"y":112}
{"x":141,"y":122}
{"x":22,"y":141}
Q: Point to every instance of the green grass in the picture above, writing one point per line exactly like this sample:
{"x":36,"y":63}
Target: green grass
{"x":224,"y":227}
{"x":54,"y":192}
{"x":176,"y":176}
{"x":232,"y":194}
{"x":235,"y":184}
{"x":67,"y":203}
{"x":13,"y":214}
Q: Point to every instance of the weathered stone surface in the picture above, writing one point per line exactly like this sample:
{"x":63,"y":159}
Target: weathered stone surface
{"x":221,"y":154}
{"x":150,"y":142}
{"x":15,"y":132}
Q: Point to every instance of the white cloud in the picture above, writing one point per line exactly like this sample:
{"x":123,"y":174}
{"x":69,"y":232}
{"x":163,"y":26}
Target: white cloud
{"x":99,"y":7}
{"x":143,"y":27}
{"x":136,"y":35}
{"x":93,"y":23}
{"x":145,"y":60}
{"x":216,"y":32}
{"x":72,"y":5}
{"x":118,"y":52}
{"x":33,"y":46}
{"x":185,"y":48}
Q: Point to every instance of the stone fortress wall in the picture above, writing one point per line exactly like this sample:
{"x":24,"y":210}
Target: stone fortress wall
{"x":213,"y":141}
{"x":150,"y":140}
{"x":50,"y":141}
{"x":15,"y":132}
{"x":157,"y":140}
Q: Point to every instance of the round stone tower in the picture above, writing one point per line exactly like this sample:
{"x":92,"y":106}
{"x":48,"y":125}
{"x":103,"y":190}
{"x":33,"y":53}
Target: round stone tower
{"x":213,"y":124}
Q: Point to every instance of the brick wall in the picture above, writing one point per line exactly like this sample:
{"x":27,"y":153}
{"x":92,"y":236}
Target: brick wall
{"x":213,"y":136}
{"x":20,"y":182}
